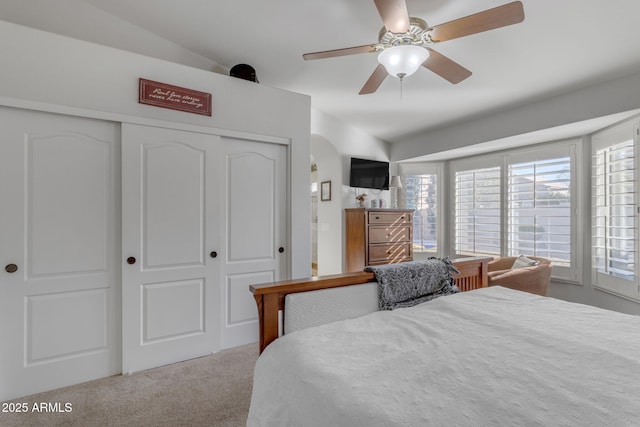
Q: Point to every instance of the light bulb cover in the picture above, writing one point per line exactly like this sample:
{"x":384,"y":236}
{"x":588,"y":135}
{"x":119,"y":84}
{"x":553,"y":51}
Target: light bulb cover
{"x":403,"y":60}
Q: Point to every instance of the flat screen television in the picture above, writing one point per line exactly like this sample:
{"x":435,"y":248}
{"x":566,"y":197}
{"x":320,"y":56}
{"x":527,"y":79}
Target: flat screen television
{"x":369,"y":174}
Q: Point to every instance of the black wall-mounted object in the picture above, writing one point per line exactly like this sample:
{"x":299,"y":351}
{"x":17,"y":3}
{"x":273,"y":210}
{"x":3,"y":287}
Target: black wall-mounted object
{"x":369,"y":174}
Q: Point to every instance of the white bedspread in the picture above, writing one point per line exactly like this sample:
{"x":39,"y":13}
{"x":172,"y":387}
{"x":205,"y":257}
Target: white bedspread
{"x":490,"y":357}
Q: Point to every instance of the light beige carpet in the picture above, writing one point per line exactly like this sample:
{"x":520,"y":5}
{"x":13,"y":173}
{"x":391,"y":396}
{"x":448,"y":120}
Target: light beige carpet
{"x":209,"y":391}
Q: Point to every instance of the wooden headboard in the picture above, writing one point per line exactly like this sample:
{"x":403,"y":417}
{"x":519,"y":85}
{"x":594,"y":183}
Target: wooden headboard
{"x":270,"y":297}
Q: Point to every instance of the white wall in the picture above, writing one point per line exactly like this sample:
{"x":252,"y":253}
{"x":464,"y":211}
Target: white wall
{"x":92,"y":24}
{"x":329,"y":224}
{"x":349,"y":141}
{"x":333,"y":143}
{"x":45,"y":71}
{"x":595,"y":101}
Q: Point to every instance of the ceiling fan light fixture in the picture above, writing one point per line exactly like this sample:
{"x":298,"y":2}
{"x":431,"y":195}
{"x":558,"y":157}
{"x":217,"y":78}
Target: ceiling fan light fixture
{"x":403,"y":60}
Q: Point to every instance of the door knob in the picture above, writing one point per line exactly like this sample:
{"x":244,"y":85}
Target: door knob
{"x":281,"y":249}
{"x":213,"y":254}
{"x":11,"y":268}
{"x":131,"y":260}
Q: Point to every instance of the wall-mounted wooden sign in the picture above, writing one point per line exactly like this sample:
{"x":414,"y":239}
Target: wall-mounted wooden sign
{"x":174,"y":97}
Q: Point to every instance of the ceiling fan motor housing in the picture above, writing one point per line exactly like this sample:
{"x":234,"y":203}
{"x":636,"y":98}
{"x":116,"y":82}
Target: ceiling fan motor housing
{"x":418,"y":34}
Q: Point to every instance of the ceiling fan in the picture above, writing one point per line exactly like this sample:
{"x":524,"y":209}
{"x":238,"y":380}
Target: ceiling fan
{"x":404,"y":43}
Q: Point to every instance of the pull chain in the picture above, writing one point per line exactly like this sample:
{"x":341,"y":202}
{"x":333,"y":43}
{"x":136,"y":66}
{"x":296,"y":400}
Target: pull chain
{"x":401,"y":77}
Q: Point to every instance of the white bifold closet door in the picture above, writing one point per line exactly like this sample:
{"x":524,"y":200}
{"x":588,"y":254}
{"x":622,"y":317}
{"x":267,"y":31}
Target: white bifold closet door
{"x":59,"y":273}
{"x":203,"y":217}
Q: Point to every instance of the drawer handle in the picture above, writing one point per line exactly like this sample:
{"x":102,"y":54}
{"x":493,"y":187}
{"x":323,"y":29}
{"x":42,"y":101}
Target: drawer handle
{"x":377,"y":217}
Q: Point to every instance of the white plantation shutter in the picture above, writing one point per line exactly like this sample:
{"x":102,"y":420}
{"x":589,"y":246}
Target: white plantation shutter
{"x":539,"y":209}
{"x":519,"y":202}
{"x":421,"y":195}
{"x":477,"y":212}
{"x":614,"y":211}
{"x":614,"y":215}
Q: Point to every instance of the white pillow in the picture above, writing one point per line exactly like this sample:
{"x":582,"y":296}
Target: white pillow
{"x":522,"y":261}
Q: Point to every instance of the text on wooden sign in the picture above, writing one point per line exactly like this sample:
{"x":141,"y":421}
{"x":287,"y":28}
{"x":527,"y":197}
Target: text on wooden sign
{"x":174,"y":97}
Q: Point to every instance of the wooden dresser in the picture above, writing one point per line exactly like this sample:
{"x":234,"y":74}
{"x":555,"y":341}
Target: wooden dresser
{"x":377,"y":236}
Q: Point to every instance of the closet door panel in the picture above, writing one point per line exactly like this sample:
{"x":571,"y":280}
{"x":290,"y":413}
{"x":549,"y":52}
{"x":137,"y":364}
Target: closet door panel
{"x":67,"y":190}
{"x":171,"y":284}
{"x":59,"y":287}
{"x":173,"y":205}
{"x":252,"y":206}
{"x":255,"y":199}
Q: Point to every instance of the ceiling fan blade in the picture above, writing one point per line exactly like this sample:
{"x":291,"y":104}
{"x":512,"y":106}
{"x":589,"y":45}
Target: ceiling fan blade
{"x":394,"y":15}
{"x":490,"y":19}
{"x":374,"y":81}
{"x":446,"y":68}
{"x":340,"y":52}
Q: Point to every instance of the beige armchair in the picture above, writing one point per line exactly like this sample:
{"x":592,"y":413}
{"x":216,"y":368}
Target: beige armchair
{"x":534,"y":279}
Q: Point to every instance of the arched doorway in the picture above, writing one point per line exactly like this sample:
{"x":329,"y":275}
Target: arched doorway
{"x":327,"y":213}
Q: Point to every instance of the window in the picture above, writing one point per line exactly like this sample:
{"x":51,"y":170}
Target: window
{"x":477,"y":212}
{"x":519,"y":202}
{"x":421,"y":194}
{"x":614,"y":216}
{"x":539,"y":209}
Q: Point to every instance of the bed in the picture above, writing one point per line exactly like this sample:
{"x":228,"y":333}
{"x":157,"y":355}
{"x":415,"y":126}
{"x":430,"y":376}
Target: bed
{"x":488,"y":356}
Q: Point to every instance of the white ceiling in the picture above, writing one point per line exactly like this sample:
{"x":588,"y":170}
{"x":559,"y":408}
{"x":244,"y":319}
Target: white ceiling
{"x":562,"y":45}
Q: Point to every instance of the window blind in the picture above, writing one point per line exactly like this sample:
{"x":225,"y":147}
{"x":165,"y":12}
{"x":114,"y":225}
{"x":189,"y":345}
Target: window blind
{"x":477,"y":212}
{"x":614,"y":210}
{"x":421,"y":195}
{"x":539,"y":209}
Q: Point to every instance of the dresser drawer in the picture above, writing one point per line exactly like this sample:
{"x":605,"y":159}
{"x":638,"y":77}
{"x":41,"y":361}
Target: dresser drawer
{"x":389,"y":218}
{"x":389,"y":253}
{"x":387,"y":234}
